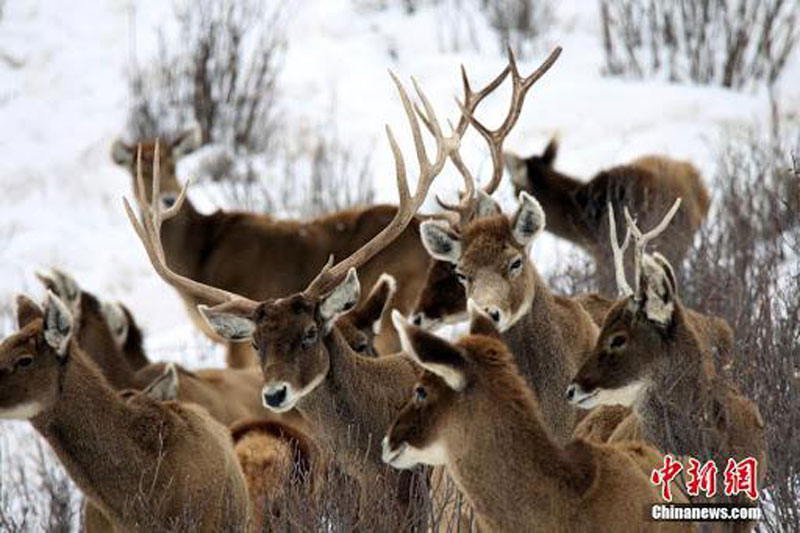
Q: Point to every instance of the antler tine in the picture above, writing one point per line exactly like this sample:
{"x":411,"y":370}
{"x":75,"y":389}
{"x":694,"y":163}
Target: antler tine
{"x":519,"y":89}
{"x":619,"y":253}
{"x":641,"y":239}
{"x":408,"y":203}
{"x":149,"y":232}
{"x":465,"y":207}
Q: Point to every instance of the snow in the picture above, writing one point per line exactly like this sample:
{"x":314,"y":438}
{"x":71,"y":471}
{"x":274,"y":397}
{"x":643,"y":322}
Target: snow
{"x":63,"y":100}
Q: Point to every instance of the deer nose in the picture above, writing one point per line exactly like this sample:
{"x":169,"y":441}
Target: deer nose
{"x":571,"y":392}
{"x":275,"y":398}
{"x":493,"y":312}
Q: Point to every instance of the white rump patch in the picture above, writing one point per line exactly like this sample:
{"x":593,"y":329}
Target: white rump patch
{"x":25,"y":411}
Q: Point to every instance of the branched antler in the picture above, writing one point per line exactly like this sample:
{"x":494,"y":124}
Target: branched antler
{"x":149,"y":232}
{"x":623,"y":288}
{"x":640,"y":241}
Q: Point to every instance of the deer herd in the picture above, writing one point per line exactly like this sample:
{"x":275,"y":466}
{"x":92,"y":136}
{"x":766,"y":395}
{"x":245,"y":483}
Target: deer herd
{"x":549,"y":415}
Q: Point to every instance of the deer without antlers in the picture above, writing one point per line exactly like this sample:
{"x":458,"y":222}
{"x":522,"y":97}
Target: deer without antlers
{"x":472,"y":412}
{"x":576,"y":210}
{"x":142,"y":463}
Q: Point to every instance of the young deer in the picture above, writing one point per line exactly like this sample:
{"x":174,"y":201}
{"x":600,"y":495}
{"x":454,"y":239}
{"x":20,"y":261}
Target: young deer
{"x":305,"y":360}
{"x":655,"y":356}
{"x":221,"y":249}
{"x":472,"y":412}
{"x":144,"y":464}
{"x":576,"y":210}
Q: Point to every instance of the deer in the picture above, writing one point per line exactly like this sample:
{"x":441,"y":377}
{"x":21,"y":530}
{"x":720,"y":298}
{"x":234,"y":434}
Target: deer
{"x":656,"y":358}
{"x":517,"y":477}
{"x":279,"y":462}
{"x":576,"y":210}
{"x":142,"y":463}
{"x":349,"y":400}
{"x":221,"y":248}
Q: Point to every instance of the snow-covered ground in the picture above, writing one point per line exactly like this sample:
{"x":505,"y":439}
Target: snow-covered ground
{"x":63,"y":100}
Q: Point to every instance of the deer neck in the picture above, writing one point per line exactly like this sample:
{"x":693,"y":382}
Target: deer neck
{"x":184,"y":239}
{"x":677,"y":408}
{"x":87,"y":429}
{"x":516,"y":474}
{"x":358,"y":398}
{"x":556,"y":193}
{"x":543,"y":360}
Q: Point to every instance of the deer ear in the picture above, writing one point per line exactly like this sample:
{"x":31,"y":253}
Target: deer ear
{"x":231,"y":327}
{"x":27,"y":311}
{"x":341,"y":299}
{"x":431,"y":352}
{"x":117,"y":321}
{"x":480,"y":323}
{"x":121,"y":153}
{"x":370,"y":312}
{"x":67,"y":289}
{"x":164,"y":387}
{"x":440,"y":241}
{"x":550,"y":152}
{"x":486,"y":206}
{"x":57,"y":324}
{"x":187,"y":142}
{"x":658,"y":289}
{"x":518,"y":168}
{"x":528,"y":221}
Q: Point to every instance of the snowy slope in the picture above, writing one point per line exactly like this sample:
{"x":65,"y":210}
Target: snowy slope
{"x":66,"y":102}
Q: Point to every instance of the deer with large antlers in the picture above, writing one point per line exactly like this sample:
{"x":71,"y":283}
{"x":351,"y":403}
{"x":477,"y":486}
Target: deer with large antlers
{"x":231,"y":249}
{"x":144,"y":464}
{"x":656,"y":356}
{"x":576,"y":210}
{"x":305,"y":361}
{"x":489,"y":253}
{"x":472,"y":412}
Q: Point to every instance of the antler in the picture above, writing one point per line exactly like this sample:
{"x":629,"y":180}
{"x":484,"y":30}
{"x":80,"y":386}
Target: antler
{"x":149,"y":232}
{"x":640,"y":240}
{"x":495,"y":138}
{"x":408,"y":205}
{"x":619,"y":253}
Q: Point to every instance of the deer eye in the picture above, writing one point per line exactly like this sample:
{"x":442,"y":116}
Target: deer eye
{"x":420,"y":394}
{"x":618,"y":341}
{"x":515,"y":266}
{"x":310,"y":335}
{"x":24,"y":361}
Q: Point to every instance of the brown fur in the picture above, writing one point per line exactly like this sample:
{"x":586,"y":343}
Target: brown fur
{"x":144,"y":464}
{"x":516,"y":476}
{"x":551,"y":338}
{"x":686,"y":408}
{"x":275,"y":458}
{"x":221,"y":249}
{"x":577,"y":211}
{"x":358,"y":327}
{"x":355,"y":397}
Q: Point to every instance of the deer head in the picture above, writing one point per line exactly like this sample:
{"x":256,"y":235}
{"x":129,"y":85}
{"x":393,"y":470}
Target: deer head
{"x":488,"y":251}
{"x":638,"y":332}
{"x":442,"y":299}
{"x":125,"y":155}
{"x":490,"y":258}
{"x":456,"y":379}
{"x":290,"y":334}
{"x":31,"y":359}
{"x":534,"y":169}
{"x":360,"y":325}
